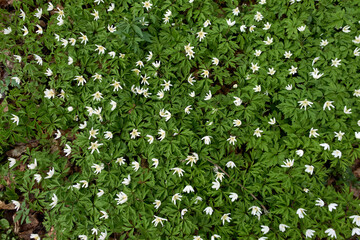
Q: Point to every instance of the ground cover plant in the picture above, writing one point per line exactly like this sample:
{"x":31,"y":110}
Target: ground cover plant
{"x":180,"y":119}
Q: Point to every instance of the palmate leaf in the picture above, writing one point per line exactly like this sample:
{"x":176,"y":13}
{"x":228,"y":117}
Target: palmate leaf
{"x":148,"y":47}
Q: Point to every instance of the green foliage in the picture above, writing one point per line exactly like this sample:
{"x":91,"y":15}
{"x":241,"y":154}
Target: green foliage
{"x":141,"y":104}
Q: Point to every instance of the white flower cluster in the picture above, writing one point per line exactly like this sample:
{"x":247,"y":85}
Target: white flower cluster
{"x":147,"y":74}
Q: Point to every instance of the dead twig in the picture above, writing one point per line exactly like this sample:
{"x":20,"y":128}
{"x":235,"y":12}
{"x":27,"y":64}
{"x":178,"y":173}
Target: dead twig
{"x":243,"y":188}
{"x":9,"y":206}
